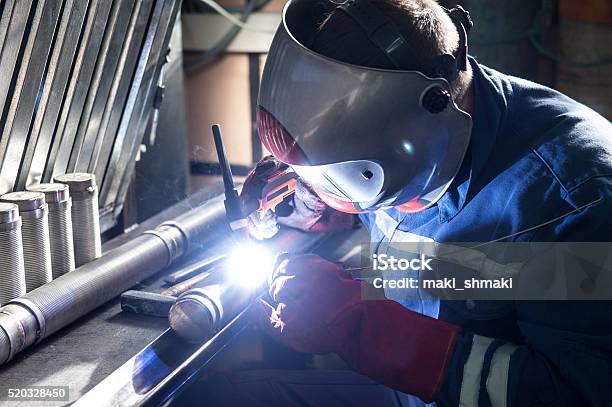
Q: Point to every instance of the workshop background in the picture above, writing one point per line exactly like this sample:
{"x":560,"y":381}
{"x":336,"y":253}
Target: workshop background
{"x":564,"y":44}
{"x":127,"y":91}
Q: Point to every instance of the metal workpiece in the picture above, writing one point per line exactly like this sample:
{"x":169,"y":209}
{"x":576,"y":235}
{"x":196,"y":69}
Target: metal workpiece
{"x":20,"y":329}
{"x":35,"y":236}
{"x":74,"y":294}
{"x":60,"y":226}
{"x":200,"y":312}
{"x":85,"y":216}
{"x":174,"y":238}
{"x":12,"y":272}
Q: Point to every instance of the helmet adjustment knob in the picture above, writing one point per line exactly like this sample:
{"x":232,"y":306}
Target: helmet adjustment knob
{"x":435,"y":99}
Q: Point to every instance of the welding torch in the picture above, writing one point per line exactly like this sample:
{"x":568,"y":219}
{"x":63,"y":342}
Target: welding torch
{"x":279,"y":186}
{"x":233,"y":211}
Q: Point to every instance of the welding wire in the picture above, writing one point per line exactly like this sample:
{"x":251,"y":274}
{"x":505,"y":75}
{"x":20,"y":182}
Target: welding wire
{"x":229,"y":17}
{"x":35,"y":236}
{"x":12,"y":274}
{"x":194,"y":269}
{"x":85,"y":216}
{"x":180,"y":288}
{"x":60,"y":226}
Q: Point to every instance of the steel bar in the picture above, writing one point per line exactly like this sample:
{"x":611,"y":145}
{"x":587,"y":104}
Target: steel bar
{"x":6,"y":12}
{"x":14,"y":21}
{"x":166,"y":363}
{"x":99,"y":88}
{"x":119,"y":91}
{"x":79,"y":83}
{"x":26,"y":96}
{"x":58,"y":76}
{"x":194,"y":269}
{"x":123,"y":158}
{"x":76,"y":94}
{"x":180,"y":288}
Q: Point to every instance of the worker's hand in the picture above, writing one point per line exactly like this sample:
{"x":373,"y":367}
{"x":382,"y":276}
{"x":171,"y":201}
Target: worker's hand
{"x":312,"y":294}
{"x":305,"y":211}
{"x":320,"y":310}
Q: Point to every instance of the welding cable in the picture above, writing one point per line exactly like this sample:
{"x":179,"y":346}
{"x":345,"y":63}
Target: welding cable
{"x":198,"y":61}
{"x":237,"y":22}
{"x":523,"y":231}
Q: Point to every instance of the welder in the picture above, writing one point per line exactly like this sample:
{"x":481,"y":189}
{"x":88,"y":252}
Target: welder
{"x":378,"y":108}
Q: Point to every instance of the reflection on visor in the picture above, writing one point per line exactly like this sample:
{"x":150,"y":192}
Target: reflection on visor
{"x":277,"y":140}
{"x":338,"y":204}
{"x":360,"y":181}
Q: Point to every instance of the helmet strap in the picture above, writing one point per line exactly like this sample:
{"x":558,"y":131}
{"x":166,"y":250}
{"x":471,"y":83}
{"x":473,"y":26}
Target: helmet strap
{"x":383,"y":33}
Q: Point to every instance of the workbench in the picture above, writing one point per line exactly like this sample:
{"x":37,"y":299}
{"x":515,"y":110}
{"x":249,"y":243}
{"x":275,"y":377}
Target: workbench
{"x":87,"y":351}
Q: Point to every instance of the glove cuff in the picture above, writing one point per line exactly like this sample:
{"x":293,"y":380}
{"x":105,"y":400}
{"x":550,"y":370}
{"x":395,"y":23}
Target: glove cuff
{"x":397,"y":347}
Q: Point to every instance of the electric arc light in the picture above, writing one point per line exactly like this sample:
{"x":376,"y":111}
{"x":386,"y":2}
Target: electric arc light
{"x":249,"y":264}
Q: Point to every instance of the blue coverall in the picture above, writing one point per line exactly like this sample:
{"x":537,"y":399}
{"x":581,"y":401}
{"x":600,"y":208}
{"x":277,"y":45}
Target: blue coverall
{"x":534,"y":156}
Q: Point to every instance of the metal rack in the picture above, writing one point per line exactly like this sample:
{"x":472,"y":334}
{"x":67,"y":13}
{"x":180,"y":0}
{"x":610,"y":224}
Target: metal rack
{"x":79,"y":82}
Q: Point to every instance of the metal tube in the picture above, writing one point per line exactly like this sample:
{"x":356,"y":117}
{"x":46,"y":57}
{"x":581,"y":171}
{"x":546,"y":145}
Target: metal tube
{"x":85,"y":216}
{"x":60,"y":226}
{"x":35,"y":236}
{"x":202,"y":311}
{"x":73,"y":295}
{"x":12,"y":274}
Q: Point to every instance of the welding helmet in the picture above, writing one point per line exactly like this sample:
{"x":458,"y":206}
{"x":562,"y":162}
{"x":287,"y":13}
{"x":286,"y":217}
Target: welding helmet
{"x":363,"y":138}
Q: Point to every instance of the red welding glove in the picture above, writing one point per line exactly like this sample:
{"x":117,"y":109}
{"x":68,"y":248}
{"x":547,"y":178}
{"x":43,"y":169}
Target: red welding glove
{"x":320,"y":310}
{"x":304,"y":211}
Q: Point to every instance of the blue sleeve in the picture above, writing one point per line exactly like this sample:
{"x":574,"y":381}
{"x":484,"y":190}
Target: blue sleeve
{"x":565,"y":358}
{"x":365,"y":220}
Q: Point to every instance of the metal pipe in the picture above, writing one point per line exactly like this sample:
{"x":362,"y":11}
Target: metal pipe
{"x":73,"y":295}
{"x":12,"y":273}
{"x":60,"y":226}
{"x":85,"y":216}
{"x":202,"y":311}
{"x":35,"y":236}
